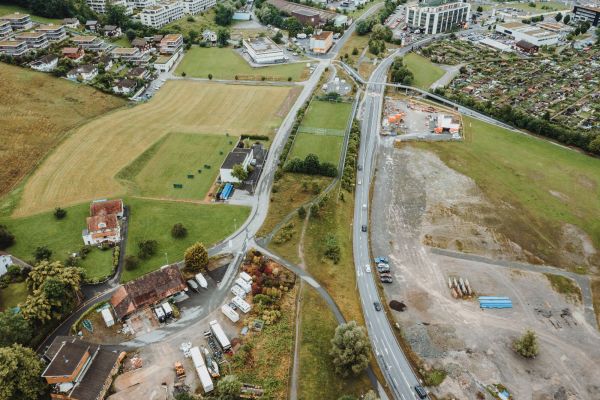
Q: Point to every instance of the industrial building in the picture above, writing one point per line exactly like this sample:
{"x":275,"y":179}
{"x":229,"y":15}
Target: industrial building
{"x":437,"y":16}
{"x":263,"y":50}
{"x":588,"y":13}
{"x":529,"y":33}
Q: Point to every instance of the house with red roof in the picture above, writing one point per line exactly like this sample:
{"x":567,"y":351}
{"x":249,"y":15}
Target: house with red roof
{"x":104,"y":222}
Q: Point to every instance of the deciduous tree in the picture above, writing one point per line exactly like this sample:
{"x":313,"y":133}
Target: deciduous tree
{"x":527,"y":345}
{"x":239,"y":172}
{"x":229,"y":388}
{"x":350,"y":349}
{"x":14,"y":329}
{"x":196,"y":258}
{"x":7,"y":239}
{"x":20,"y":373}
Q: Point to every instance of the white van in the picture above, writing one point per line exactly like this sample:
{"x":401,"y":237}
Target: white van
{"x":167,"y":309}
{"x":244,"y":285}
{"x":160,"y":314}
{"x":241,"y":304}
{"x":238,"y":291}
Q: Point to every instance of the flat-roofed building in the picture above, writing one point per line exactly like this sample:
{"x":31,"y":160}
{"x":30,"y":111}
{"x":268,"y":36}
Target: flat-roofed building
{"x":13,"y":48}
{"x":321,"y":42}
{"x":263,"y":50}
{"x":307,"y":17}
{"x":161,"y":14}
{"x":171,"y":44}
{"x":100,"y":6}
{"x":197,"y":6}
{"x":590,"y":13}
{"x":18,"y":21}
{"x":141,"y":3}
{"x":90,"y":43}
{"x":34,"y":40}
{"x":54,"y":33}
{"x":5,"y":29}
{"x":130,"y":54}
{"x":529,"y":33}
{"x":437,"y":16}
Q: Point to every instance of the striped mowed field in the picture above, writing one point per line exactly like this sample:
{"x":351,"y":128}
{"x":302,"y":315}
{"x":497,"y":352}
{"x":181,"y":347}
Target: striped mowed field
{"x":83,"y":167}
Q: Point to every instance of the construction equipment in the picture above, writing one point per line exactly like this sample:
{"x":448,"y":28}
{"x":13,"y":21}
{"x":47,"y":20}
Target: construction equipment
{"x":179,"y":371}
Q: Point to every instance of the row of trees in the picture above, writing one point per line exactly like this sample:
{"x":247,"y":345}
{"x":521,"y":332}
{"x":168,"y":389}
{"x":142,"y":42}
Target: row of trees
{"x":349,"y":173}
{"x":57,"y":8}
{"x":311,"y":166}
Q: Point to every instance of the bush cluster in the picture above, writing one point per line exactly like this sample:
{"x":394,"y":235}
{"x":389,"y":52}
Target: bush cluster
{"x":311,"y":166}
{"x":349,"y":173}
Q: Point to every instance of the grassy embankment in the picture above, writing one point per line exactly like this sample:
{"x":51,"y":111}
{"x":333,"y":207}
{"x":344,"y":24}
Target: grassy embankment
{"x":227,"y":64}
{"x":424,"y":71}
{"x":565,"y":286}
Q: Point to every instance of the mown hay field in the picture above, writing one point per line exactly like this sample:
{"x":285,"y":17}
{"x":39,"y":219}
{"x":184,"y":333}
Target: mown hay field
{"x":36,"y":112}
{"x":84,"y":166}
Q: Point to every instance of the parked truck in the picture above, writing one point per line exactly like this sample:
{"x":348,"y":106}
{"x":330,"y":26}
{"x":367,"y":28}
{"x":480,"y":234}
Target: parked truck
{"x":216,"y":329}
{"x":230,"y":313}
{"x":201,"y":370}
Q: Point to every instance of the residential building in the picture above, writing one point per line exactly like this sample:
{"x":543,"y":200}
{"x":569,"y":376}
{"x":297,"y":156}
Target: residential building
{"x":54,"y":33}
{"x":529,"y":33}
{"x":263,"y":50}
{"x":130,"y":54}
{"x":142,"y":44}
{"x":34,"y":40}
{"x":171,"y":44}
{"x":209,"y":36}
{"x":86,"y":73}
{"x":140,"y":3}
{"x":147,"y":290}
{"x":111,"y":31}
{"x":321,"y":43}
{"x":91,"y":25}
{"x":437,"y":16}
{"x":100,"y":6}
{"x":238,"y":156}
{"x":138,"y":73}
{"x":13,"y":48}
{"x":161,"y":14}
{"x":45,"y":64}
{"x":588,"y":13}
{"x":90,"y":43}
{"x":18,"y":21}
{"x":72,"y":23}
{"x":6,"y":260}
{"x":341,"y":20}
{"x":164,"y":63}
{"x":197,"y":6}
{"x":106,"y":60}
{"x":103,"y":224}
{"x":79,"y":370}
{"x":125,"y":86}
{"x":73,"y":53}
{"x":5,"y":29}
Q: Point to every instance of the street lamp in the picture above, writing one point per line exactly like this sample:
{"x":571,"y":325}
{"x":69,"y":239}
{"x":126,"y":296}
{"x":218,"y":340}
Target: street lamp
{"x":167,"y":258}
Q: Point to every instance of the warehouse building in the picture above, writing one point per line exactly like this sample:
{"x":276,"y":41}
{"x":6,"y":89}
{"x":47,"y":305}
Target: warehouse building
{"x":529,"y":33}
{"x":437,"y":16}
{"x":588,"y":13}
{"x":263,"y":50}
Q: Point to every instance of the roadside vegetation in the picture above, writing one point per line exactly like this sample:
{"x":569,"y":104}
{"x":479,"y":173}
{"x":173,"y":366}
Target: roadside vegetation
{"x":565,"y":286}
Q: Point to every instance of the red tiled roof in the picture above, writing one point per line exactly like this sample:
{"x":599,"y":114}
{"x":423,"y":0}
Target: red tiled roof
{"x":108,"y":206}
{"x":109,"y":220}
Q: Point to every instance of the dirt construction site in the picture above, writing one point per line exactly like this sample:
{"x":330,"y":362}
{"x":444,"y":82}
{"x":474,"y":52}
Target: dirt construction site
{"x":473,"y":345}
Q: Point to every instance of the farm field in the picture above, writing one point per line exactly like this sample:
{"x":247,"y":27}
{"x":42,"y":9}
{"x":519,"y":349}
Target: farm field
{"x":62,"y":237}
{"x":84,"y":166}
{"x":424,"y":71}
{"x":227,"y":63}
{"x":9,"y":9}
{"x":173,"y":159}
{"x":322,"y":131}
{"x":548,"y":186}
{"x":153,"y":220}
{"x":36,"y":112}
{"x":12,"y":295}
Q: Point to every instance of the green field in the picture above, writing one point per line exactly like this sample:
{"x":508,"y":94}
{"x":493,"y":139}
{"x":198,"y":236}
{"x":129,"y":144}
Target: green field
{"x":544,"y":185}
{"x":12,"y":295}
{"x":63,"y":237}
{"x":9,"y":9}
{"x":226,"y":64}
{"x":552,"y":6}
{"x":175,"y":157}
{"x":322,"y":115}
{"x":424,"y":71}
{"x":152,"y":220}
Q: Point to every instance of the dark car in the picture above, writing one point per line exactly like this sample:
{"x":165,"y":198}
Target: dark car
{"x":363,"y":228}
{"x":421,"y":392}
{"x":377,"y":306}
{"x":386,"y":279}
{"x":360,"y":167}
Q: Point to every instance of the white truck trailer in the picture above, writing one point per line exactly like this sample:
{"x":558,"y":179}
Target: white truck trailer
{"x":244,"y":285}
{"x":230,"y":313}
{"x":241,"y":304}
{"x":216,"y":329}
{"x":201,"y":369}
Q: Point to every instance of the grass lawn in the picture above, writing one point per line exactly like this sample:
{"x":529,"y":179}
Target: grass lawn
{"x":37,"y":110}
{"x":151,"y":219}
{"x":180,"y":155}
{"x":544,"y":185}
{"x":354,"y":42}
{"x":63,"y":237}
{"x":121,"y":42}
{"x":327,"y":115}
{"x":326,"y":147}
{"x":424,"y":71}
{"x":9,"y":9}
{"x":201,"y":22}
{"x":226,"y":64}
{"x":12,"y":295}
{"x":357,"y":13}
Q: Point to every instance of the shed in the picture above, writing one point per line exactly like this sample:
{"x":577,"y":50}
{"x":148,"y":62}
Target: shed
{"x":109,"y":320}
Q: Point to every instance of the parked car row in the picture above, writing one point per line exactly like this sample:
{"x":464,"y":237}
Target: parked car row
{"x":383,"y":267}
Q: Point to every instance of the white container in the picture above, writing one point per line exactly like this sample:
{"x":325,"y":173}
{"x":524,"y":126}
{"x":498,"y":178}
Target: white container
{"x":108,"y":317}
{"x":241,"y":304}
{"x":238,"y":291}
{"x":230,"y":313}
{"x":244,"y":285}
{"x":216,"y":329}
{"x":245,"y":276}
{"x":201,"y":369}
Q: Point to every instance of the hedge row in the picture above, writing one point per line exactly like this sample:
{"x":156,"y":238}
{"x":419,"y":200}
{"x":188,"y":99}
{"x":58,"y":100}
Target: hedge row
{"x":349,"y":174}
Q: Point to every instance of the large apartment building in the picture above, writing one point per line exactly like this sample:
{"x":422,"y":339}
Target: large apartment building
{"x":437,"y":16}
{"x":100,"y":6}
{"x":18,"y":21}
{"x":34,"y":40}
{"x":141,"y":3}
{"x":197,"y":6}
{"x":161,"y":14}
{"x":90,"y":43}
{"x":13,"y":47}
{"x":54,"y":33}
{"x":5,"y":29}
{"x":588,"y":13}
{"x":171,"y":44}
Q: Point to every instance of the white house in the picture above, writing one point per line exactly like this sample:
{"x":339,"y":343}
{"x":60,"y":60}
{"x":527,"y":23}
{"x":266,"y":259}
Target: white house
{"x":86,"y":72}
{"x":171,"y":44}
{"x":263,"y":50}
{"x":125,"y":86}
{"x":237,"y":156}
{"x":209,"y":36}
{"x":45,"y":64}
{"x":6,"y":260}
{"x":164,"y":63}
{"x":103,"y":224}
{"x":72,"y":23}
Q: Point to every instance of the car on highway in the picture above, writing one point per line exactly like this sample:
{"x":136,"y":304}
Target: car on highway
{"x":360,"y":182}
{"x":367,"y":268}
{"x":363,"y":228}
{"x":359,"y":167}
{"x":421,"y":392}
{"x":364,"y":206}
{"x":377,"y":306}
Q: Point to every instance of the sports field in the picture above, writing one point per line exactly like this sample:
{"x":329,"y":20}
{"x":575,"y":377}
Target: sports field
{"x":62,"y":237}
{"x":176,"y":158}
{"x":322,"y":131}
{"x":424,"y":71}
{"x":153,"y":220}
{"x":36,"y":112}
{"x":84,"y":166}
{"x":227,"y":63}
